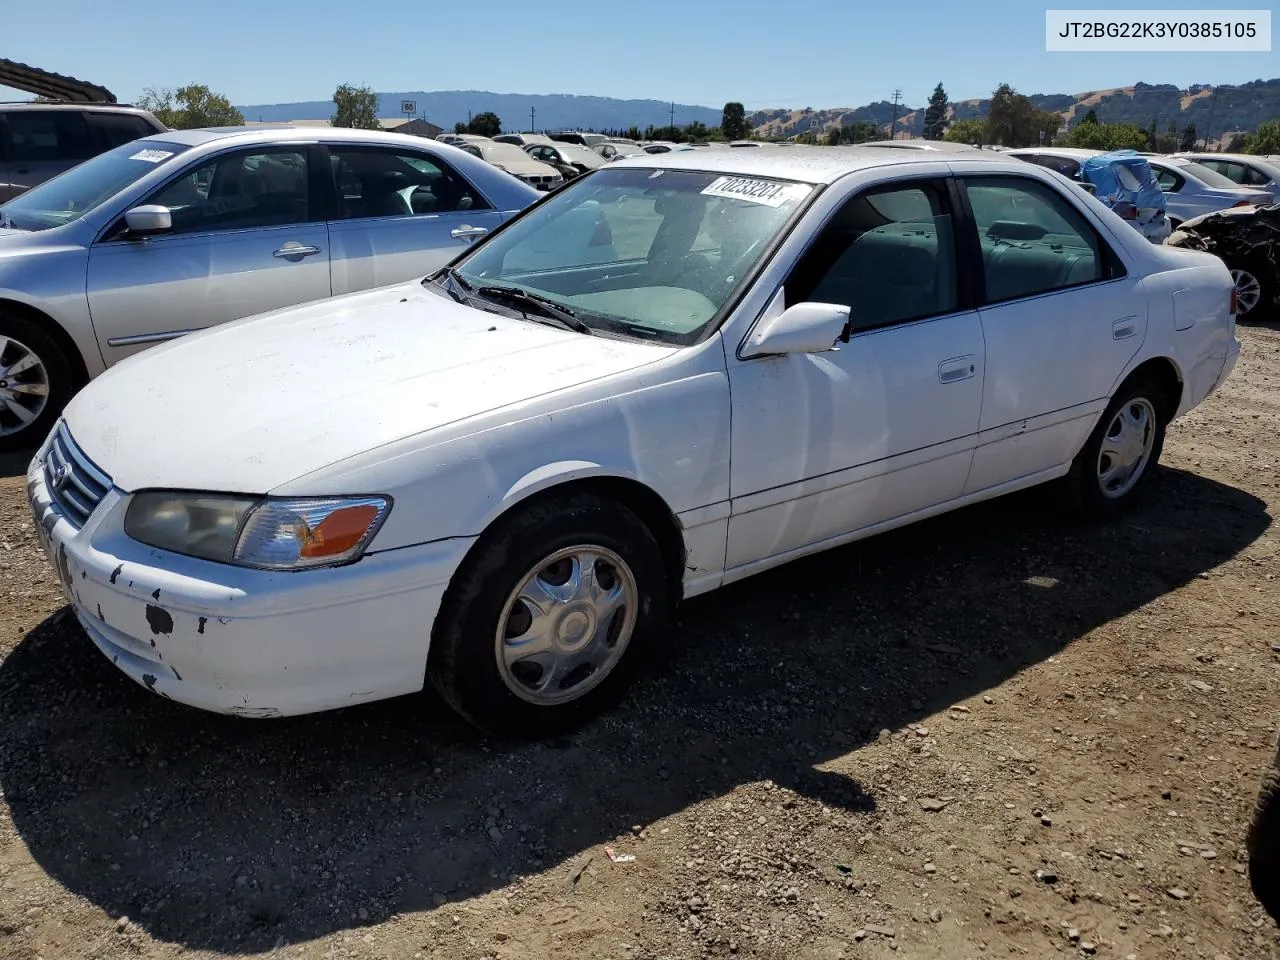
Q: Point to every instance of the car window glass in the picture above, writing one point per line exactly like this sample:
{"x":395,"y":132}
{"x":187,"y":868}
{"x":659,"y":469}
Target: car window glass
{"x":113,"y":129}
{"x":1032,"y":240}
{"x":658,"y":252}
{"x":888,"y":255}
{"x":1167,"y":179}
{"x":376,"y":182}
{"x":46,"y":136}
{"x":1125,"y":176}
{"x":1254,"y":178}
{"x":239,"y":191}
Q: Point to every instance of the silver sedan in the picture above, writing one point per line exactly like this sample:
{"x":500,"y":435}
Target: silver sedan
{"x":1191,"y":190}
{"x":187,"y":229}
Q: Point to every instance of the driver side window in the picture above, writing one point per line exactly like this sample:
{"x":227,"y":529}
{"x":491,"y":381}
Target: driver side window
{"x":888,"y":254}
{"x":374,"y":182}
{"x":239,"y":191}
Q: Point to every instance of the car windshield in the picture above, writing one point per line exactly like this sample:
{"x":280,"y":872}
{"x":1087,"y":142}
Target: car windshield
{"x":74,"y":193}
{"x":1210,"y":178}
{"x":638,"y":251}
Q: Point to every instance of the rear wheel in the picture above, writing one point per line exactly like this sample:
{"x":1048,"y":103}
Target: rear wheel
{"x":1254,"y":292}
{"x":543,"y":626}
{"x":35,"y":382}
{"x":1116,"y":463}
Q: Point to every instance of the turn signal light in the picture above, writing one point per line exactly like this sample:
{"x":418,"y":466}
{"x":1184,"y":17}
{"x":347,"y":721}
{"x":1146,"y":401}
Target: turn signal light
{"x":339,"y":531}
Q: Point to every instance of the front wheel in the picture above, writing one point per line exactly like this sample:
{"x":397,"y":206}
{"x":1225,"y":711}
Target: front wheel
{"x":544,"y":623}
{"x":35,"y":382}
{"x":1117,"y":461}
{"x":1263,"y":842}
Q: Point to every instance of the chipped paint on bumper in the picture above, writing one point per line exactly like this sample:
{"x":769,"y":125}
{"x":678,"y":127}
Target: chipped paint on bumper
{"x":247,"y":642}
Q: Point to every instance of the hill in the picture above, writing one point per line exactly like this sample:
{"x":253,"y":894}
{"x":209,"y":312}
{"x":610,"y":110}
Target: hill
{"x":1213,"y":109}
{"x":551,"y":111}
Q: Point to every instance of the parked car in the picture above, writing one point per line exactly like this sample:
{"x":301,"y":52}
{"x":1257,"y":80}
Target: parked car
{"x":658,"y":146}
{"x":1257,"y":173}
{"x":191,"y":228}
{"x":578,"y":137}
{"x":40,"y":140}
{"x":616,"y":151}
{"x":523,"y":139}
{"x":936,"y":146}
{"x":571,"y":159}
{"x":537,"y":464}
{"x":1247,"y":239}
{"x":509,"y":157}
{"x":1123,"y":180}
{"x":1191,"y":190}
{"x":1262,"y":842}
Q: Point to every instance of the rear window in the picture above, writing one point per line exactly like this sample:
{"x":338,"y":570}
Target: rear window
{"x":45,"y":136}
{"x":114,"y":129}
{"x":1211,"y":178}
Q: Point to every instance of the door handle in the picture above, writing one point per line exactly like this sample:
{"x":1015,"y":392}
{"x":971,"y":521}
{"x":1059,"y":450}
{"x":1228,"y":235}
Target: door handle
{"x":468,"y":232}
{"x":957,"y":369}
{"x":1124,"y":328}
{"x":293,"y":250}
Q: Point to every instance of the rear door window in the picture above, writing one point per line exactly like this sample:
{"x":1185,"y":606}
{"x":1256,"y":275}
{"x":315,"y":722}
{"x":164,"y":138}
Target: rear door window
{"x":113,"y":129}
{"x":47,"y":136}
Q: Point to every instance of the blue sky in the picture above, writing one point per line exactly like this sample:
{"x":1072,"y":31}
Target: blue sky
{"x":817,"y":53}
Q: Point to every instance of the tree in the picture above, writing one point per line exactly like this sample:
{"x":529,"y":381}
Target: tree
{"x":356,"y":107}
{"x":833,"y":137}
{"x":460,"y":128}
{"x":485,"y":124}
{"x":971,"y":131}
{"x":1107,"y":136}
{"x":1188,"y":141}
{"x":1014,"y":121}
{"x":935,"y":115}
{"x":194,"y":105}
{"x":860,"y":131}
{"x":1266,"y":139}
{"x":1238,"y":143}
{"x":1091,"y":116}
{"x":733,"y":122}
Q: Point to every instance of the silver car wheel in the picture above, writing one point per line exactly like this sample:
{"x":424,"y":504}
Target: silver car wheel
{"x":24,"y":386}
{"x":1248,"y":291}
{"x":566,"y":625}
{"x":1126,"y":447}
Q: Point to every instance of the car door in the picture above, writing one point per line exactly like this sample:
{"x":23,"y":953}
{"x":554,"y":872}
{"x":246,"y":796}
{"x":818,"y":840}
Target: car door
{"x":883,"y":427}
{"x":39,"y":145}
{"x":400,"y":214}
{"x":1061,"y":319}
{"x":245,"y":239}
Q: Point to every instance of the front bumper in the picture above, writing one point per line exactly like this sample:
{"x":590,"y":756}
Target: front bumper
{"x":239,"y":641}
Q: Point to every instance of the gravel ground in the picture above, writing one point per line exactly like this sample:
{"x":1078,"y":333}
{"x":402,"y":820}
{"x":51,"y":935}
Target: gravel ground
{"x":997,"y":733}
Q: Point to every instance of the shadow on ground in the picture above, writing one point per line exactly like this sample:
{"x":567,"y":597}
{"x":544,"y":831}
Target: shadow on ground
{"x":14,"y":463}
{"x":232,"y":835}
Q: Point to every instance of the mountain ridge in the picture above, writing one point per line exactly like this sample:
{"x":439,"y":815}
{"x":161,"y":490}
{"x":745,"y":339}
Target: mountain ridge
{"x":1218,"y":110}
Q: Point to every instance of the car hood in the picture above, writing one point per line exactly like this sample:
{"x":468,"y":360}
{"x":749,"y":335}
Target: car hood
{"x":253,"y":404}
{"x":529,"y":168}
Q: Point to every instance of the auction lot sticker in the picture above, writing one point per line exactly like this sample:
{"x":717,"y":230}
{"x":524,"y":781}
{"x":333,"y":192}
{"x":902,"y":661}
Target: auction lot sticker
{"x":771,"y":193}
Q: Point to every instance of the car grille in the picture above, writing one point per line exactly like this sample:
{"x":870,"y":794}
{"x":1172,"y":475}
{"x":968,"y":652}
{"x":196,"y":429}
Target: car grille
{"x":75,"y":484}
{"x":543,"y":181}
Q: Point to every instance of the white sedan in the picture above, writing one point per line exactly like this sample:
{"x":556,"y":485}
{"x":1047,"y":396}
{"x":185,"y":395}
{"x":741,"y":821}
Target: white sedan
{"x":668,"y":376}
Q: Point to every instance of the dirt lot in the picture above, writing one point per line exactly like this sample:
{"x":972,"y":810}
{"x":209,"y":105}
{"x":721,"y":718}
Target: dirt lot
{"x":998,"y":733}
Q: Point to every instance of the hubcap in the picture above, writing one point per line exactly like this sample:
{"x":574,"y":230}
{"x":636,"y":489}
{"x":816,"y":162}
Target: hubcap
{"x":1248,"y":290}
{"x":24,"y":386}
{"x":1126,"y":447}
{"x":566,"y":625}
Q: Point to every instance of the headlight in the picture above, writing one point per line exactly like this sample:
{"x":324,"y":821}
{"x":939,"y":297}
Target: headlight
{"x":289,"y":534}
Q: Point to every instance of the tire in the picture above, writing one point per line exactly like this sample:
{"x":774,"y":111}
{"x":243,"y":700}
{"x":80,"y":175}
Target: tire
{"x":518,"y":698}
{"x":1263,"y":282}
{"x":1084,"y":481}
{"x":1263,"y":843}
{"x":20,"y":340}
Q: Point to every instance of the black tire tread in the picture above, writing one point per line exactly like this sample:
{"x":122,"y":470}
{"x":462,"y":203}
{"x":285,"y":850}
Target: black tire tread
{"x":487,"y":560}
{"x":1263,"y":844}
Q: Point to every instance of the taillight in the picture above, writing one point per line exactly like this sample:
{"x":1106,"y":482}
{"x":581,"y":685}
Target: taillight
{"x":1242,"y":203}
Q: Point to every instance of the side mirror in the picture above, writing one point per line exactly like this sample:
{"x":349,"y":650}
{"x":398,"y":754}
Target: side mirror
{"x":801,"y":328}
{"x":148,"y":219}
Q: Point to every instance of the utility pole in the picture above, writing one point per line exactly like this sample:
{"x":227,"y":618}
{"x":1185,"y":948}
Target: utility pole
{"x":673,"y":116}
{"x":532,"y":128}
{"x":893,"y":124}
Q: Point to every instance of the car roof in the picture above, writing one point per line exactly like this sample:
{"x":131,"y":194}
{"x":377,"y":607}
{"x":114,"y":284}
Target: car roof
{"x":1076,"y":153}
{"x":282,"y":133}
{"x":803,"y":163}
{"x":71,"y":105}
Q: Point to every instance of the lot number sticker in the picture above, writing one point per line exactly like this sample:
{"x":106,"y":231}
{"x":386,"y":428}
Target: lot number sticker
{"x":152,"y":156}
{"x":768,"y":192}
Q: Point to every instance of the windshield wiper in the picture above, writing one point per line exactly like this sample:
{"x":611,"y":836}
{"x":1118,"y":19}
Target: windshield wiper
{"x":449,"y":273}
{"x":544,"y":306}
